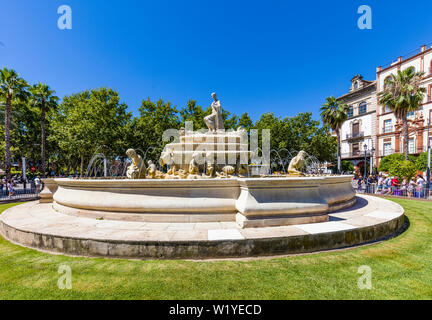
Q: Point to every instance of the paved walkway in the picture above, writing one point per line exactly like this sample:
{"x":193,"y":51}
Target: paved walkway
{"x":42,"y":219}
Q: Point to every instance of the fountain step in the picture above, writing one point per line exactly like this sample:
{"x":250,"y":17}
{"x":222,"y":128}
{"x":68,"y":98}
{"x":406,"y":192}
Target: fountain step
{"x":40,"y":227}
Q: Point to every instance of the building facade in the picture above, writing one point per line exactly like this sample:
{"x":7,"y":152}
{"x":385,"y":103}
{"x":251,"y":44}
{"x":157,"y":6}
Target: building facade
{"x":372,"y":131}
{"x":358,"y":133}
{"x":389,"y":129}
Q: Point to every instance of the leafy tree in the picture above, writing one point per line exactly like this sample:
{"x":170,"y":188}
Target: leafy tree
{"x":403,"y":168}
{"x":402,"y":94}
{"x":245,"y":121}
{"x":11,"y":87}
{"x":421,"y":162}
{"x":393,"y":160}
{"x":347,"y":166}
{"x":154,"y":119}
{"x":334,"y":114}
{"x":90,"y":121}
{"x":44,"y":99}
{"x":195,"y":113}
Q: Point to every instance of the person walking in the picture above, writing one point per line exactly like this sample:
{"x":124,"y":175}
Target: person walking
{"x":37,"y":182}
{"x":10,"y":188}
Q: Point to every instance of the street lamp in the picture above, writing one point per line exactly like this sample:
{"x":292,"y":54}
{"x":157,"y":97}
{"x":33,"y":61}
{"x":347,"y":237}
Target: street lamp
{"x":365,"y":162}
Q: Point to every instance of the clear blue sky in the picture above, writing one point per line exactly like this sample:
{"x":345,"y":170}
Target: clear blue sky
{"x":259,"y":56}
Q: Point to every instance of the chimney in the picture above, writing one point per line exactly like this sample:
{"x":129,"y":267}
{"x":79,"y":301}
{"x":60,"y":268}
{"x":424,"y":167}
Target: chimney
{"x":399,"y":59}
{"x":423,"y":48}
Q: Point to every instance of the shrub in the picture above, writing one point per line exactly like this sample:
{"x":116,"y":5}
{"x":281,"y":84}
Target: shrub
{"x":403,"y":169}
{"x":421,"y":162}
{"x":392,"y":160}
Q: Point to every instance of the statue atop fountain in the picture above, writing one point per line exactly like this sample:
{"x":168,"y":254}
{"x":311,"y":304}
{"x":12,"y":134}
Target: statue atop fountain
{"x":214,"y":121}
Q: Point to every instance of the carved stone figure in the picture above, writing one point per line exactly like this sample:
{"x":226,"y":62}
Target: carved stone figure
{"x":214,"y":121}
{"x":297,"y":164}
{"x":227,"y":172}
{"x":194,"y":167}
{"x":210,"y":164}
{"x":136,"y":169}
{"x":151,"y":170}
{"x":167,"y":158}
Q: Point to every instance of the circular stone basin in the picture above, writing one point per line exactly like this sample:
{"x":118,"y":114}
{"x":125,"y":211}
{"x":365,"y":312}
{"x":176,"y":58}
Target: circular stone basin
{"x":38,"y":225}
{"x":250,"y":202}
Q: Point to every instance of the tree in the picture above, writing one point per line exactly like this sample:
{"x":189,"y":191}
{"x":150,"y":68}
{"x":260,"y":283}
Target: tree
{"x":347,"y":166}
{"x":403,"y":169}
{"x":402,"y":94}
{"x":194,"y":113}
{"x":393,"y":160}
{"x":421,"y":162}
{"x":334,"y":114}
{"x":43,"y":98}
{"x":11,"y":87}
{"x":245,"y":121}
{"x":146,"y":131}
{"x":90,"y":121}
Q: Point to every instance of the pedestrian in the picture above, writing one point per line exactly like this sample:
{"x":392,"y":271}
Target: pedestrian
{"x":421,"y":183}
{"x":10,"y":188}
{"x":37,"y":182}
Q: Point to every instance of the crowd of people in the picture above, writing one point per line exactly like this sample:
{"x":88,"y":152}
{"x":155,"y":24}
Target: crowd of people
{"x":384,"y":184}
{"x":8,"y":186}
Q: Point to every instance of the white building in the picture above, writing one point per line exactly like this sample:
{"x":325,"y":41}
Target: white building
{"x":358,"y":134}
{"x":389,"y":129}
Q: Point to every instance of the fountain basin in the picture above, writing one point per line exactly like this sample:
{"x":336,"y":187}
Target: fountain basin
{"x":252,"y":202}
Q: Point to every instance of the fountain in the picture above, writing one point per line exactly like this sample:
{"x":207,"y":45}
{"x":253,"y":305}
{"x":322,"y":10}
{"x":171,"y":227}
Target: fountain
{"x":207,"y":203}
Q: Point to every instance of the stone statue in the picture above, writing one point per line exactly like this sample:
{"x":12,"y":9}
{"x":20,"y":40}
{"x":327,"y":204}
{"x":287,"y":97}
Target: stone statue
{"x":194,"y":167}
{"x":297,"y":164}
{"x":136,"y":169}
{"x":210,"y":164}
{"x":227,"y":172}
{"x":214,"y":121}
{"x":151,"y":170}
{"x":167,"y":157}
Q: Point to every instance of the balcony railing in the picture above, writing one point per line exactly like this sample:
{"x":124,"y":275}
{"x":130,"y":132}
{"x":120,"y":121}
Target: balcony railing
{"x":355,"y":135}
{"x":356,"y":154}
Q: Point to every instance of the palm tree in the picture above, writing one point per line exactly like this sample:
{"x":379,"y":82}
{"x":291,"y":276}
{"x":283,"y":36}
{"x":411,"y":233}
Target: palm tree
{"x":334,"y":114}
{"x":43,"y":98}
{"x":402,"y":94}
{"x":11,"y":87}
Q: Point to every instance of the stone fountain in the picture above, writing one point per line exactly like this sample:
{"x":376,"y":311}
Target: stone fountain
{"x":207,"y":180}
{"x":205,"y":204}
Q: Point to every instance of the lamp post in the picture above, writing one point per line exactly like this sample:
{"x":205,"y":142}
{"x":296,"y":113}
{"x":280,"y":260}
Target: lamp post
{"x":428,"y":164}
{"x":365,"y":162}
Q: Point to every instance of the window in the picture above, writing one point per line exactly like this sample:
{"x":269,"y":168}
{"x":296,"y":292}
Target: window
{"x":387,"y":109}
{"x":355,"y":85}
{"x":355,"y":129}
{"x":410,"y":114}
{"x":386,"y":80}
{"x":388,"y":126}
{"x":411,"y":68}
{"x":411,"y":145}
{"x":387,"y":149}
{"x":355,"y":149}
{"x":350,"y":111}
{"x":362,"y":108}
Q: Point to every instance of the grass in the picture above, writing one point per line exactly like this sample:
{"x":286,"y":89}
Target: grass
{"x":401,"y":269}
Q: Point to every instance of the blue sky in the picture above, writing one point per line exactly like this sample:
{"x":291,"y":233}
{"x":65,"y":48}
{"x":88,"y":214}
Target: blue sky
{"x":259,"y":56}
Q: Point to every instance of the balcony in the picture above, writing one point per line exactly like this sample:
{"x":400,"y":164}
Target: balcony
{"x":356,"y":154}
{"x":356,"y":135}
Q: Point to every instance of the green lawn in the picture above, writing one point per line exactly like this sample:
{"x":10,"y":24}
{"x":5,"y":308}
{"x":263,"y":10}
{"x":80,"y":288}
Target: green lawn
{"x":401,"y":269}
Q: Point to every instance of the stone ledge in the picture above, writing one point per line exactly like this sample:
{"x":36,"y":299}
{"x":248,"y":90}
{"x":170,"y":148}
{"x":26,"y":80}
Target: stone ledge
{"x":40,"y":227}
